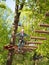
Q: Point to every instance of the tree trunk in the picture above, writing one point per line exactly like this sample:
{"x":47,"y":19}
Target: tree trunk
{"x":13,"y":36}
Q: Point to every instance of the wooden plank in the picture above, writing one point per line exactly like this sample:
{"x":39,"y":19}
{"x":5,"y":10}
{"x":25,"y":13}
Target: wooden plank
{"x":40,"y":31}
{"x":9,"y":47}
{"x":24,"y":50}
{"x":47,"y":14}
{"x":16,"y":47}
{"x":29,"y":42}
{"x":27,"y":46}
{"x":27,"y":49}
{"x":40,"y":38}
{"x":44,"y":25}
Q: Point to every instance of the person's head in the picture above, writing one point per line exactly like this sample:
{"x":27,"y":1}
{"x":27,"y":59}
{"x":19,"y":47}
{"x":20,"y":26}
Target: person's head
{"x":22,"y":31}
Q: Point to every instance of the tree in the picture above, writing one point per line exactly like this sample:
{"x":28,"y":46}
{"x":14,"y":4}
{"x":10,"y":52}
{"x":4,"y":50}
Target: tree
{"x":15,"y":26}
{"x":5,"y":12}
{"x":32,"y":13}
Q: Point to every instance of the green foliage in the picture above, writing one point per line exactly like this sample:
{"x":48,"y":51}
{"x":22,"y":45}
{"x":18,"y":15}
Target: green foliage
{"x":5,"y":14}
{"x":2,"y":5}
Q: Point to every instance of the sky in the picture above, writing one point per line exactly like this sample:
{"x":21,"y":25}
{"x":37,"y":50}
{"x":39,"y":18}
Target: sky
{"x":11,"y":4}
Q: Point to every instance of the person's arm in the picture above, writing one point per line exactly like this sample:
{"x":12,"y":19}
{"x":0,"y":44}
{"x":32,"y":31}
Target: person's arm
{"x":26,"y":35}
{"x":18,"y":34}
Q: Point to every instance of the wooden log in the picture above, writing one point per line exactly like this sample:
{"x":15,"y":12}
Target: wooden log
{"x":16,"y":47}
{"x":47,"y":14}
{"x":27,"y":46}
{"x":40,"y":38}
{"x":9,"y":47}
{"x":29,"y":49}
{"x":24,"y":50}
{"x":40,"y":31}
{"x":44,"y":25}
{"x":29,"y":42}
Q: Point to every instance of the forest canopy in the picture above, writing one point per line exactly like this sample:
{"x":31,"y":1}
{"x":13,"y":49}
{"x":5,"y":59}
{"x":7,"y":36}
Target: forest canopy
{"x":31,"y":13}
